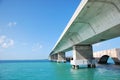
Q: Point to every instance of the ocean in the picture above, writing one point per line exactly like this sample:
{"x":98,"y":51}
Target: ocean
{"x":46,"y":70}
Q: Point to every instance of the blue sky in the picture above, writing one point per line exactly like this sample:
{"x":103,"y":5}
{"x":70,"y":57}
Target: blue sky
{"x":30,"y":28}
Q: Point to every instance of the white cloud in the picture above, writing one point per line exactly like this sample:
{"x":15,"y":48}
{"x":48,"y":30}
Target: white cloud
{"x":11,"y":24}
{"x":37,"y":47}
{"x":5,"y":42}
{"x":4,"y":45}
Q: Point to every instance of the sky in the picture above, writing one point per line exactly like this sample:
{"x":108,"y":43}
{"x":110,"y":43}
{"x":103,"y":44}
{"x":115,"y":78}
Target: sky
{"x":29,"y":29}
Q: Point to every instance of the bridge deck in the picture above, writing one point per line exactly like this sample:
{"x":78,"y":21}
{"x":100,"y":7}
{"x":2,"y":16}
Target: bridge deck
{"x":93,"y":21}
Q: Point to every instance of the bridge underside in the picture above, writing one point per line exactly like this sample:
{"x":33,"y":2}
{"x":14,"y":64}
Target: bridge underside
{"x":93,"y":21}
{"x":99,"y":20}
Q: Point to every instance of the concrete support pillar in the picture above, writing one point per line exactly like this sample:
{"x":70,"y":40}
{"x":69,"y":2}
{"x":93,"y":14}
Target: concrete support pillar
{"x":82,"y":55}
{"x":53,"y":57}
{"x":61,"y":57}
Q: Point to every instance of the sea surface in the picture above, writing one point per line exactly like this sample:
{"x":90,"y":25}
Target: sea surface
{"x":46,"y":70}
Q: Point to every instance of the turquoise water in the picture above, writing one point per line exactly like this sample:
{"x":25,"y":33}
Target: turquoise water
{"x":45,"y":70}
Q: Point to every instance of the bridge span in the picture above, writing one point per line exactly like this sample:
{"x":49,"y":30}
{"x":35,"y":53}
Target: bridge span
{"x":93,"y":21}
{"x":102,"y":56}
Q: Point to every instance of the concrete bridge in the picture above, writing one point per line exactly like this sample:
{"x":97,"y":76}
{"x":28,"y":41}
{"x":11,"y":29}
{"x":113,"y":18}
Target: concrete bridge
{"x":102,"y":56}
{"x":93,"y":21}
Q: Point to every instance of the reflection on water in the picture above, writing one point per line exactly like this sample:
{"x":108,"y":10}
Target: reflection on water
{"x":83,"y":74}
{"x":102,"y":72}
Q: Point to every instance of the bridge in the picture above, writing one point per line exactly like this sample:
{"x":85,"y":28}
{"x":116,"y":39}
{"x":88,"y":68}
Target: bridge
{"x":102,"y":56}
{"x":93,"y":21}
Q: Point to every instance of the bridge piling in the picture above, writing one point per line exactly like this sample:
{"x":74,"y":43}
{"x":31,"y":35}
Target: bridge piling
{"x":82,"y":55}
{"x":61,"y":57}
{"x":53,"y":57}
{"x":58,"y":57}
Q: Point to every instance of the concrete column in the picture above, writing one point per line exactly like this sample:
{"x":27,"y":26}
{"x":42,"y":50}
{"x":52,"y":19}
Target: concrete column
{"x":53,"y":57}
{"x":61,"y":57}
{"x":82,"y":55}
